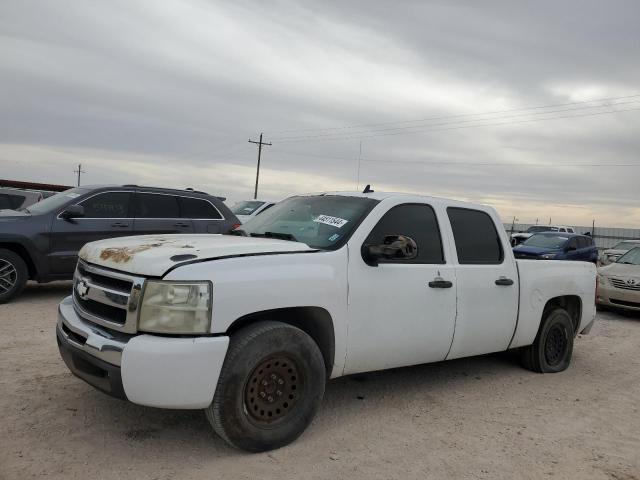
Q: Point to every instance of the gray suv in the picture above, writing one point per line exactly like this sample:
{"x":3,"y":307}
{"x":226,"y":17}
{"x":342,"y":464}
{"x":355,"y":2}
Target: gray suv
{"x":41,"y":242}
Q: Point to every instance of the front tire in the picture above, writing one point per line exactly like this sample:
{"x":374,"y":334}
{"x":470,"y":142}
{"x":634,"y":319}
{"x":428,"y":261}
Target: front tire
{"x":552,"y":349}
{"x":270,"y":387}
{"x":13,"y":275}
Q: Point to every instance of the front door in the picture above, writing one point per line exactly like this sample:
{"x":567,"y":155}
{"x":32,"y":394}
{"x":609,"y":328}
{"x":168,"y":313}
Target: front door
{"x":395,"y":317}
{"x":106,"y":215}
{"x":487,"y":280}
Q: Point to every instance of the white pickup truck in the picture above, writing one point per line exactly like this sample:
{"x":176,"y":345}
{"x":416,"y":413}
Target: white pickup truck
{"x":250,"y":327}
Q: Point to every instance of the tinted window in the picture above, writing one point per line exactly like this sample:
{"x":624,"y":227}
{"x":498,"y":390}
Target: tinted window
{"x":107,"y":205}
{"x":415,"y":221}
{"x":477,"y":241}
{"x":573,"y":243}
{"x":195,"y":208}
{"x":151,"y":205}
{"x":10,"y":202}
{"x":584,"y":242}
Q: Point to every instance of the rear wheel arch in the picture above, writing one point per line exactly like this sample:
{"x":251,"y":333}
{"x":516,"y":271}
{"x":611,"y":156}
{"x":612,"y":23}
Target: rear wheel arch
{"x":572,"y":304}
{"x":314,"y":321}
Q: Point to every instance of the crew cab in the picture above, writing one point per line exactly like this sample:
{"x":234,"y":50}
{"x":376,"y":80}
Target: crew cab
{"x":41,"y":242}
{"x":250,"y":327}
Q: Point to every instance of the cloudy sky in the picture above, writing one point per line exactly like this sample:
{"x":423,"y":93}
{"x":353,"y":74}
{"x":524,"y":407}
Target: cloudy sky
{"x":533,"y":107}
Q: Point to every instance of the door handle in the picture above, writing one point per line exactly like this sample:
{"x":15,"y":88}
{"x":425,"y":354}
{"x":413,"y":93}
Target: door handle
{"x":120,"y":225}
{"x":181,"y":224}
{"x":504,"y":281}
{"x":440,"y":283}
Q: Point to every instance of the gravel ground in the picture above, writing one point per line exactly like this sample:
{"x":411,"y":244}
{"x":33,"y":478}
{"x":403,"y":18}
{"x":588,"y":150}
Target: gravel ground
{"x":481,"y":417}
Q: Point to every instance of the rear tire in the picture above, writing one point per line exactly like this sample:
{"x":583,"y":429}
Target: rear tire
{"x":552,"y":349}
{"x":13,"y":275}
{"x":270,"y":387}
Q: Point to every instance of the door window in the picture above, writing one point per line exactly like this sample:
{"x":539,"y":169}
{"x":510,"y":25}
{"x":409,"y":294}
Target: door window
{"x":152,"y":205}
{"x":417,"y":221}
{"x":477,"y":240}
{"x":572,"y":243}
{"x":198,"y":209}
{"x":107,"y":205}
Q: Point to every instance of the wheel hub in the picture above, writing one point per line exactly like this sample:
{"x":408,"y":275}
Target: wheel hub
{"x":272,"y":390}
{"x":8,"y":276}
{"x":555,"y":345}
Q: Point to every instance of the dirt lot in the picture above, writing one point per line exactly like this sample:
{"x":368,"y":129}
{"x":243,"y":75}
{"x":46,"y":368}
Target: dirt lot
{"x":482,"y":417}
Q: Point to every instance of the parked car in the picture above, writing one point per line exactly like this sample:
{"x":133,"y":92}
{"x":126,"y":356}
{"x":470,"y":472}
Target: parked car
{"x":16,"y":199}
{"x":619,"y":282}
{"x":248,"y":209}
{"x":518,"y":238}
{"x":41,"y":242}
{"x":250,"y":327}
{"x":612,"y":254}
{"x":557,"y":246}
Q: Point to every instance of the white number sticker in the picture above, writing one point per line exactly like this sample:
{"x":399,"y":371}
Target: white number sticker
{"x":329,"y":220}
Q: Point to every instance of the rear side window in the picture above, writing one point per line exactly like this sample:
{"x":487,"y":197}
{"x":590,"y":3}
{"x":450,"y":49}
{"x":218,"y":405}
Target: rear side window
{"x":153,"y":205}
{"x":10,"y":202}
{"x":584,"y":242}
{"x":198,"y":209}
{"x":476,"y":237}
{"x":417,"y":221}
{"x":107,"y":205}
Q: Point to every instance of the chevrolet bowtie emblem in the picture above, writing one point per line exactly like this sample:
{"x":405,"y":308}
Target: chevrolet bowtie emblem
{"x":82,"y":288}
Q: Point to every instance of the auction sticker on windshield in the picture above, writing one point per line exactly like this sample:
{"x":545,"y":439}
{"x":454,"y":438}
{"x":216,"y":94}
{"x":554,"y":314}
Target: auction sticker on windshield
{"x":329,"y":220}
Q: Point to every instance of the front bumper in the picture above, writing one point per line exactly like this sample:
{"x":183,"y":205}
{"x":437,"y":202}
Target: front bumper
{"x":156,"y":371}
{"x":618,"y":298}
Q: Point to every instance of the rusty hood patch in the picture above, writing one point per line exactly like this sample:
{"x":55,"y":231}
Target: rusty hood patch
{"x":151,"y":255}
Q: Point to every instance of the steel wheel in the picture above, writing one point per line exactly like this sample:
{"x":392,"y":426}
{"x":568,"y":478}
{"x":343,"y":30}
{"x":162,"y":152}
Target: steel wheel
{"x":556,"y":345}
{"x":8,"y":276}
{"x":272,"y":390}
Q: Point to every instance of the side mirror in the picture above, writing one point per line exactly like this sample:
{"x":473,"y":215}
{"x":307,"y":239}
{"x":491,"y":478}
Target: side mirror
{"x":394,"y":247}
{"x":72,"y":211}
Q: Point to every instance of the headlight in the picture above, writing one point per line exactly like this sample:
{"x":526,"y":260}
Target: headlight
{"x":175,"y":307}
{"x":549,"y":256}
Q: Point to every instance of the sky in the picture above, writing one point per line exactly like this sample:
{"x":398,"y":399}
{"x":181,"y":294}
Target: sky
{"x":532,"y":107}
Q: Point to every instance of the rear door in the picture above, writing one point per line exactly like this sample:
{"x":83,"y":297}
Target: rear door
{"x":159,"y":213}
{"x":203,"y":214}
{"x":487,"y":284}
{"x":106,"y":215}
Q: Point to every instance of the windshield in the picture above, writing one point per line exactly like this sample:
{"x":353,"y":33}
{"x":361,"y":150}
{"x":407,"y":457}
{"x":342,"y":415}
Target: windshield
{"x":321,"y":221}
{"x":626,"y":245}
{"x":540,"y":228}
{"x":546,"y":241}
{"x":632,"y":257}
{"x":246,"y":208}
{"x":56,"y":201}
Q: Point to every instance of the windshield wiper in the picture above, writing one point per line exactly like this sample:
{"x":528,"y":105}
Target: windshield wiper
{"x":278,"y":235}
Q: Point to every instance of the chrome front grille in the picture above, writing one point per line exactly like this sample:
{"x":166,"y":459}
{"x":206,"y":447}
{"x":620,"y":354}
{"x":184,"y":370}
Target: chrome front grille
{"x":629,"y":284}
{"x":107,"y":298}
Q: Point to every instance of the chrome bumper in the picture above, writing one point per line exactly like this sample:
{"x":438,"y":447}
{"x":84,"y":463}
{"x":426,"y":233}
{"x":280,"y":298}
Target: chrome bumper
{"x":97,"y":342}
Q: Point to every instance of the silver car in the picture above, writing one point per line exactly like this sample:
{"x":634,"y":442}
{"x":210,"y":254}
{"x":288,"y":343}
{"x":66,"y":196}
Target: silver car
{"x":619,"y":282}
{"x":612,"y":254}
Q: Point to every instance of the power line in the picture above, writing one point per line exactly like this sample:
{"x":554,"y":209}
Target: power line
{"x":450,"y":163}
{"x":402,"y":122}
{"x":457,"y":126}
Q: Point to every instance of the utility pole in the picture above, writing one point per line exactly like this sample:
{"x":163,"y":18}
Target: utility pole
{"x":259,"y":143}
{"x":358,"y":176}
{"x":513,"y":224}
{"x":79,"y":171}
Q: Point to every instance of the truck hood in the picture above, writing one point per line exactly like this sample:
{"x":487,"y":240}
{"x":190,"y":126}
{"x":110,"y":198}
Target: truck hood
{"x":153,"y":255}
